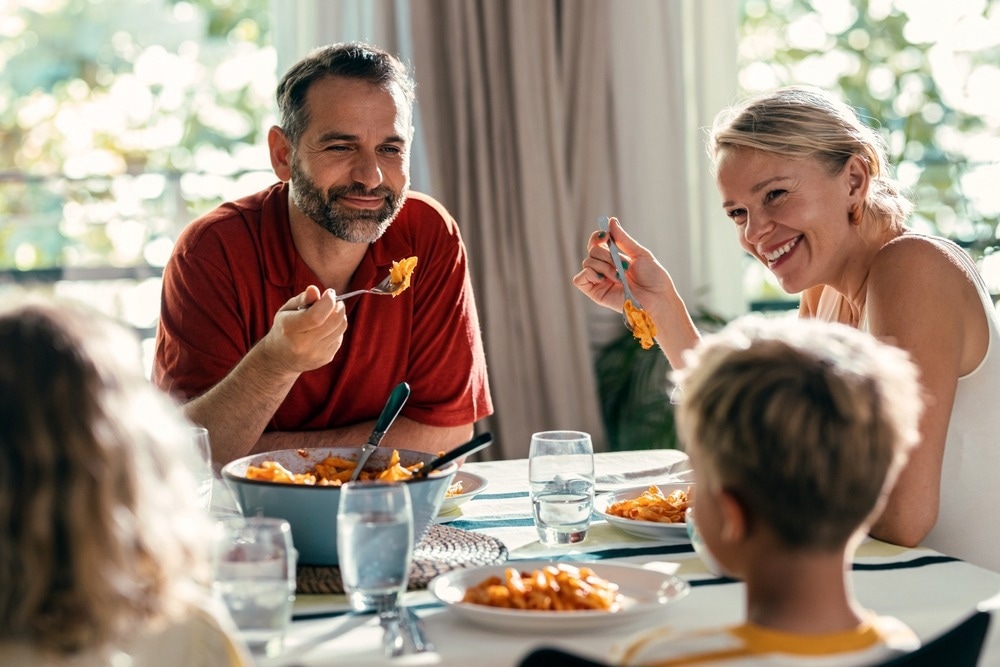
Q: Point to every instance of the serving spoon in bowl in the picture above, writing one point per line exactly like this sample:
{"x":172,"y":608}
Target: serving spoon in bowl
{"x":481,"y":441}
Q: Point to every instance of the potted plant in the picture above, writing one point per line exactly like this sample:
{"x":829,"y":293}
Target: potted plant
{"x":634,"y":387}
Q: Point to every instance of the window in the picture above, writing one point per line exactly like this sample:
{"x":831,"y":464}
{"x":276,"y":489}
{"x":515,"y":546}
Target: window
{"x":122,"y":121}
{"x":927,"y":71}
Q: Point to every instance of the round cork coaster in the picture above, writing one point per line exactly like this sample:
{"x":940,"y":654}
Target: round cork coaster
{"x":443,"y":549}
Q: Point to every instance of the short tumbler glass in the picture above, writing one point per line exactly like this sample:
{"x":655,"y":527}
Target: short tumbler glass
{"x":374,"y":543}
{"x":255,"y":578}
{"x":561,"y":478}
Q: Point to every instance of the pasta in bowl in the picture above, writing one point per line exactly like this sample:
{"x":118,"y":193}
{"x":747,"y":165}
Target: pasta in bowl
{"x":652,"y":511}
{"x":464,"y":487}
{"x":302,"y":487}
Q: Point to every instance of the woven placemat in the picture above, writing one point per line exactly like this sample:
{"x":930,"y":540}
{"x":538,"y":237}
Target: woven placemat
{"x":443,"y":549}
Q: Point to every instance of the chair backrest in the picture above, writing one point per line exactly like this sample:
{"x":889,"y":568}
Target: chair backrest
{"x":958,"y":647}
{"x":554,"y":657}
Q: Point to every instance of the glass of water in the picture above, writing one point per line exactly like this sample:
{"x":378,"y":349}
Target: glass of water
{"x":255,"y":578}
{"x":561,"y":477}
{"x":374,"y":543}
{"x":204,"y":472}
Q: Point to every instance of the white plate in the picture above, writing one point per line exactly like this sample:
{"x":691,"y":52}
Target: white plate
{"x":472,"y":485}
{"x":650,"y":529}
{"x":645,"y":592}
{"x":449,"y":517}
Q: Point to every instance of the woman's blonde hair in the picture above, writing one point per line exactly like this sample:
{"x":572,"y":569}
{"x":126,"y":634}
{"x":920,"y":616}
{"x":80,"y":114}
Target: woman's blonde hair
{"x":806,"y":422}
{"x":101,"y":532}
{"x":801,"y":122}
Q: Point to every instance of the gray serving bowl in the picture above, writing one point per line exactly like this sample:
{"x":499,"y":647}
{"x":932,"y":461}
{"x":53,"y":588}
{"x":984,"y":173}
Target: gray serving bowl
{"x":312,"y":510}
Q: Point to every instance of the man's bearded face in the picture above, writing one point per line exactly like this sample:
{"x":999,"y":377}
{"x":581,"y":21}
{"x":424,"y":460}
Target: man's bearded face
{"x":345,"y":222}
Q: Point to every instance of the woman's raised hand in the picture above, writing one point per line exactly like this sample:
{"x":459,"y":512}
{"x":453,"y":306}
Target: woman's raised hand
{"x":650,"y":283}
{"x":647,"y":278}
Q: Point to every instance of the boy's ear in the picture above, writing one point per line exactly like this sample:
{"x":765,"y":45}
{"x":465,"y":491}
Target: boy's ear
{"x":735,"y":519}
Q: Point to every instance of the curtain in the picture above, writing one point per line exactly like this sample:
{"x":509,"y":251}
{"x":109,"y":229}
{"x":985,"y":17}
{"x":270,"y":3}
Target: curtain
{"x":534,"y":118}
{"x":503,"y":113}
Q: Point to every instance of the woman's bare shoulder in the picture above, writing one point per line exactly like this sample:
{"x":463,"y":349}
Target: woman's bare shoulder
{"x":916,"y":257}
{"x":914,"y":277}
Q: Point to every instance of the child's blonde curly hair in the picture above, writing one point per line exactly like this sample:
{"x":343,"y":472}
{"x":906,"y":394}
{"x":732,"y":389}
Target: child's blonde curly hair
{"x":101,"y":532}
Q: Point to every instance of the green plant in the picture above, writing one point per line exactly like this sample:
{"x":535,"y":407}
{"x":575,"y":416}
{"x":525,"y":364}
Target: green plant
{"x":634,"y":387}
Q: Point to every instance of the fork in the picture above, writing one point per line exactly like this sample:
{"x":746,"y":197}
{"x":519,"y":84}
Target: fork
{"x":620,"y":268}
{"x":415,"y":628}
{"x":384,"y":287}
{"x":390,"y":620}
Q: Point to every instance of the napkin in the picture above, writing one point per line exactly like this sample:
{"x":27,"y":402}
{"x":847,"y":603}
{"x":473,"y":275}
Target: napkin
{"x":678,"y":471}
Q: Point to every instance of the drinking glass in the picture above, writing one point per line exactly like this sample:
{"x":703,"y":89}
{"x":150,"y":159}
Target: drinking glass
{"x":561,"y":477}
{"x":255,"y":578}
{"x":374,"y":543}
{"x":203,"y":473}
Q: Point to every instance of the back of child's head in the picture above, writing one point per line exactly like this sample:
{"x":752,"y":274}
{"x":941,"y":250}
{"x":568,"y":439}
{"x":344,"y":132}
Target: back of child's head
{"x":805,"y":422}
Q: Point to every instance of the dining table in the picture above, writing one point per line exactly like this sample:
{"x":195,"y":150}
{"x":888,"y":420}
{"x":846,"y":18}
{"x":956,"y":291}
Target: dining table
{"x":927,"y":590}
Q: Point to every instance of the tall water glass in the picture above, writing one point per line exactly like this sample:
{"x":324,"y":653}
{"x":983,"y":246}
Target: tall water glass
{"x":374,"y":543}
{"x":561,"y":477}
{"x":204,"y":473}
{"x":255,"y":578}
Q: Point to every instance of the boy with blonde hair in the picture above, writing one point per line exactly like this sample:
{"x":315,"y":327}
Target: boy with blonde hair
{"x":797,"y":430}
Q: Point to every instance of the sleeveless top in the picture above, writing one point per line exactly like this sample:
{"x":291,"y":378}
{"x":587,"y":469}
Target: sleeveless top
{"x":970,"y":471}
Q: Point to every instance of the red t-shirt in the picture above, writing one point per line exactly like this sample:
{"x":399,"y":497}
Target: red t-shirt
{"x":235,"y":267}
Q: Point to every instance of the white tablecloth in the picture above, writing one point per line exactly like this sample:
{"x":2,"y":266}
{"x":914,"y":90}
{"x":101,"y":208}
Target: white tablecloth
{"x":923,"y":588}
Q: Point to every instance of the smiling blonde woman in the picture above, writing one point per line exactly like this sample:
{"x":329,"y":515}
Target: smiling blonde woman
{"x":809,"y":192}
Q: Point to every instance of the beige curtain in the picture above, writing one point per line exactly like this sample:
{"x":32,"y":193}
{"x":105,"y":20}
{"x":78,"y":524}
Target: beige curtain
{"x":535,"y":117}
{"x":513,"y":112}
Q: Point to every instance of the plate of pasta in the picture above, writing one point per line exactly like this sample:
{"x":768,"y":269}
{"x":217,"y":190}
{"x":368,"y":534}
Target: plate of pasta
{"x":654,"y":511}
{"x":548,"y":596}
{"x":464,"y":487}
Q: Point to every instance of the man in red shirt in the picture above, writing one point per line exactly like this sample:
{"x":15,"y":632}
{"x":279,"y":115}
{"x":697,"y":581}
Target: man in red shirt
{"x":250,"y":334}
